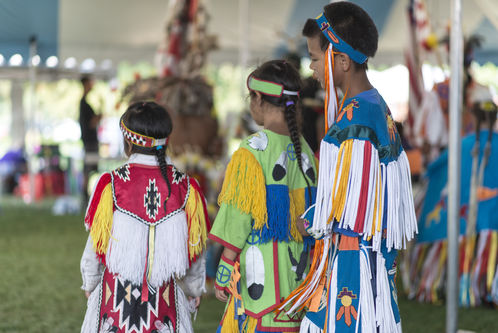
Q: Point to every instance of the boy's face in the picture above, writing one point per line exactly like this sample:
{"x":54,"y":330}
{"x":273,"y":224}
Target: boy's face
{"x":317,"y":56}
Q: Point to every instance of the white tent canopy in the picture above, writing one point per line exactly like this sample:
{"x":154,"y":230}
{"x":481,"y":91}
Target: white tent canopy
{"x":112,"y":31}
{"x":131,"y":30}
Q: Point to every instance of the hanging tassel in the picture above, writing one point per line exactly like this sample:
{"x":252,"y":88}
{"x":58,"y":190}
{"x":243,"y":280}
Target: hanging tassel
{"x":230,"y":323}
{"x":101,"y":225}
{"x":198,"y":221}
{"x":331,"y":98}
{"x":149,"y":261}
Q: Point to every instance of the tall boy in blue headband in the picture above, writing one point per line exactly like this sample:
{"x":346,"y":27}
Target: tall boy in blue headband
{"x":364,"y":206}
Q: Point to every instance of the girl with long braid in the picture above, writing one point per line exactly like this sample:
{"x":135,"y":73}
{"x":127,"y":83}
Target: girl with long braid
{"x":143,"y":266}
{"x":269,"y":183}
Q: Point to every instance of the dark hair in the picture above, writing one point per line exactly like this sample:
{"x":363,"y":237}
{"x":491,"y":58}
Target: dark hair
{"x":150,"y":119}
{"x":85,"y":79}
{"x":282,"y":72}
{"x":352,"y":24}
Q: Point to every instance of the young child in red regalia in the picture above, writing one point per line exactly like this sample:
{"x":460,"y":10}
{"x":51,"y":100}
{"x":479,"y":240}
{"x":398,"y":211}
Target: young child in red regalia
{"x":143,"y":266}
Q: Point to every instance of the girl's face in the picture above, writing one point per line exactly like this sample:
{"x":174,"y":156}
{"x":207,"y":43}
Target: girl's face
{"x":256,"y":109}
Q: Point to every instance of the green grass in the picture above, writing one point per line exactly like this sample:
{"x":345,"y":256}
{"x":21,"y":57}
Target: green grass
{"x":40,"y":280}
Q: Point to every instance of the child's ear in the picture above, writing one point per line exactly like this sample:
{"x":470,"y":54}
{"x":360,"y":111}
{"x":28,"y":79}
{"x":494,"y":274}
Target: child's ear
{"x":127,"y":147}
{"x":259,"y":98}
{"x":345,"y":62}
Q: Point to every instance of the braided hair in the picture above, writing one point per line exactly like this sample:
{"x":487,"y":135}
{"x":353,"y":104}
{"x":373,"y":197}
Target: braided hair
{"x":282,"y":72}
{"x":150,"y":119}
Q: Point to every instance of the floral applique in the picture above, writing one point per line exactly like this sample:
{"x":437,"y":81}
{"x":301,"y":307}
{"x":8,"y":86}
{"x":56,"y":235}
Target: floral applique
{"x":348,"y":110}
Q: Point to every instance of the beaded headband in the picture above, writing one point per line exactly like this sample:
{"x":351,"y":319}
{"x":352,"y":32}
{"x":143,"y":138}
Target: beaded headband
{"x":338,"y":43}
{"x":268,"y":88}
{"x":140,"y":139}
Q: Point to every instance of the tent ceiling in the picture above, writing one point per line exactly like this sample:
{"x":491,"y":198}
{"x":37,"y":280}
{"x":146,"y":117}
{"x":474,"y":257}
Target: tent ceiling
{"x":131,"y":30}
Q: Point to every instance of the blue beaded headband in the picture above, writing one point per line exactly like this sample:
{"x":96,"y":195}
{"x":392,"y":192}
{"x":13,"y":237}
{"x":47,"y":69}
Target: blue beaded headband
{"x":337,"y":42}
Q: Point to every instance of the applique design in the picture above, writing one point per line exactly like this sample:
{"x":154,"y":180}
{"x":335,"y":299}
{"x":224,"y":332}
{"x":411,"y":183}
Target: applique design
{"x":123,"y":173}
{"x":298,"y":266}
{"x":164,"y":327}
{"x":307,"y":167}
{"x":291,"y":152}
{"x":280,"y":168}
{"x":259,"y":141}
{"x":253,"y":238}
{"x":347,"y":309}
{"x":177,"y":175}
{"x":133,"y":313}
{"x":391,"y":127}
{"x":348,"y":110}
{"x":107,"y":325}
{"x":283,"y":317}
{"x":152,"y":199}
{"x":108,"y":293}
{"x":223,"y":274}
{"x":255,"y":272}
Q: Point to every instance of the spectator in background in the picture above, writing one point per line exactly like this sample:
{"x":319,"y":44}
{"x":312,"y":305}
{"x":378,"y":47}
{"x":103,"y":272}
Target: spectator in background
{"x":89,"y":122}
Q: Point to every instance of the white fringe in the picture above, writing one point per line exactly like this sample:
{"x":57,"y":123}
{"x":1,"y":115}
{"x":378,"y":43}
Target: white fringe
{"x":331,"y":299}
{"x":312,"y":284}
{"x":408,"y":219}
{"x":429,"y":268}
{"x":194,"y":281}
{"x":307,"y":326}
{"x":366,"y":308}
{"x":383,"y":309}
{"x":127,"y":250}
{"x":395,"y":177}
{"x":494,"y":287}
{"x":393,"y":203}
{"x":184,"y":317}
{"x":92,"y":312}
{"x":350,"y":212}
{"x":374,"y":179}
{"x":474,"y":283}
{"x":328,"y":163}
{"x":171,"y":252}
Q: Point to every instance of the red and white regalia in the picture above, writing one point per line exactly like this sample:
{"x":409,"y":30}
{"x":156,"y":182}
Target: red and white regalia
{"x":143,"y":260}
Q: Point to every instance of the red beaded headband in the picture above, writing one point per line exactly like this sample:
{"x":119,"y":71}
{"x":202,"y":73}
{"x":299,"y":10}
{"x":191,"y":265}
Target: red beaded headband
{"x":140,"y":139}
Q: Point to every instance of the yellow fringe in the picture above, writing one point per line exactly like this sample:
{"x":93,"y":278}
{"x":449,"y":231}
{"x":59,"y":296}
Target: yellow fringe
{"x":339,"y":196}
{"x":249,"y":325}
{"x":375,"y":216}
{"x":492,"y":260}
{"x":440,"y":267}
{"x":197,"y":223}
{"x":102,"y":221}
{"x":297,"y":208}
{"x":244,"y":186}
{"x":230,"y":325}
{"x":380,"y":206}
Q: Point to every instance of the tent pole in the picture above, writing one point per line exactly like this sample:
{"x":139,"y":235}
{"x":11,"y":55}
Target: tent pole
{"x":30,"y":144}
{"x":456,"y":102}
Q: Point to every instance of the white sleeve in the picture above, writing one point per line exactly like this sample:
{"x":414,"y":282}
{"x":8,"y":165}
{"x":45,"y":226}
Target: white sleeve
{"x":194,"y":282}
{"x":91,"y":268}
